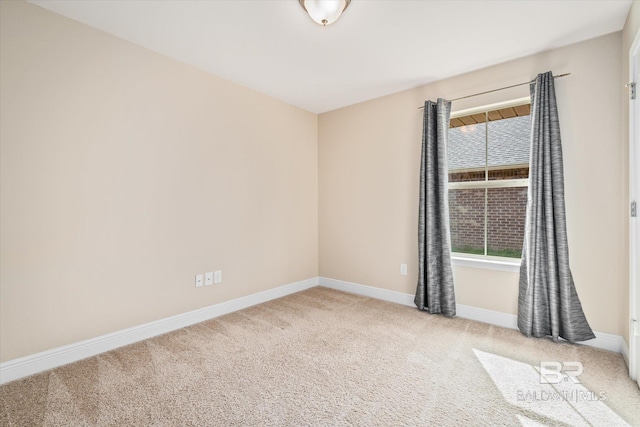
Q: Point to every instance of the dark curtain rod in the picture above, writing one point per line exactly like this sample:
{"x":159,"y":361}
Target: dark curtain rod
{"x":502,"y":88}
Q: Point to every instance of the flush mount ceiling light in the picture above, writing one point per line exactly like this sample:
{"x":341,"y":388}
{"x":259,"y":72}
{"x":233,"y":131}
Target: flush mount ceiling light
{"x":324,"y":12}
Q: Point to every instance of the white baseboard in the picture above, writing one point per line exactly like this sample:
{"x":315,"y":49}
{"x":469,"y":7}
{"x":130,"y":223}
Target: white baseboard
{"x":491,"y":317}
{"x":29,"y":365}
{"x":625,"y":351}
{"x":603,"y":340}
{"x":368,"y":291}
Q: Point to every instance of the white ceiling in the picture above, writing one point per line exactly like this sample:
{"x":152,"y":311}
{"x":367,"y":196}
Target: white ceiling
{"x":376,"y":48}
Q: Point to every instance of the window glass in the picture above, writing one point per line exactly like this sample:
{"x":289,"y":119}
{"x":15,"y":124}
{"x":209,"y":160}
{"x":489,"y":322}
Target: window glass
{"x":467,"y":152}
{"x":506,"y":211}
{"x":466,"y":218}
{"x":488,"y":156}
{"x":508,"y":147}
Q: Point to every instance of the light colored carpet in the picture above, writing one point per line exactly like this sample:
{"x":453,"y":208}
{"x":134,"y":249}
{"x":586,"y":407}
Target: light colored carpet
{"x":323,"y":357}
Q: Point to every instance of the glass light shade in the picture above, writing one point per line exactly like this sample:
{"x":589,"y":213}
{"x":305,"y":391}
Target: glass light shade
{"x":325,"y":12}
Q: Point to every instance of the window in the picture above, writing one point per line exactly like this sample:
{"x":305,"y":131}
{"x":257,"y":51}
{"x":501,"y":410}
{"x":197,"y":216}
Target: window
{"x":488,"y":157}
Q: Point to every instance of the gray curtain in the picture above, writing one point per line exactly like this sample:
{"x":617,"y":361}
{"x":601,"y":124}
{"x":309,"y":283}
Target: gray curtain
{"x":435,"y":281}
{"x":548,"y":304}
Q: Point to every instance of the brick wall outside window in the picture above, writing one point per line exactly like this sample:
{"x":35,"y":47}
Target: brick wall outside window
{"x":506,"y":210}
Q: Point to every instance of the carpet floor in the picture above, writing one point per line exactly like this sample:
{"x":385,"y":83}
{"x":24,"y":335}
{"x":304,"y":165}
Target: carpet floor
{"x":327,"y":358}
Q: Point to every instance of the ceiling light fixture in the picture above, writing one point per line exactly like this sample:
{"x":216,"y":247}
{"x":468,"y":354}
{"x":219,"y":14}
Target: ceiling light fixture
{"x":325,"y":12}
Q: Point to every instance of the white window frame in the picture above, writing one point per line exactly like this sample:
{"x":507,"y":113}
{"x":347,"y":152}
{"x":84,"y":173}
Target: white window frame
{"x":488,"y":261}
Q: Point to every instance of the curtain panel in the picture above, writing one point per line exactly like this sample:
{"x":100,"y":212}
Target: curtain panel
{"x":435,"y":292}
{"x":548,"y":304}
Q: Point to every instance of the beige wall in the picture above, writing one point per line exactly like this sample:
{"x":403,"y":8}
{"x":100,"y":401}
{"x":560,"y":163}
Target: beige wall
{"x":628,"y":34}
{"x":125,"y":173}
{"x":368,"y":188}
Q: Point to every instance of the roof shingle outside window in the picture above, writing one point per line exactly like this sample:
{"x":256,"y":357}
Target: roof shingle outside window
{"x":508,"y":144}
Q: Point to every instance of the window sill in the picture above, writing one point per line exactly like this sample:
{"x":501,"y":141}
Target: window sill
{"x":486,"y":263}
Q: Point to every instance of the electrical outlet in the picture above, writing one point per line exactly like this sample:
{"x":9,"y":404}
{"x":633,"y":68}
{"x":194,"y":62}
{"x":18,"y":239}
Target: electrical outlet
{"x":218,"y":276}
{"x":208,"y":278}
{"x":403,"y":269}
{"x":199,"y":280}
